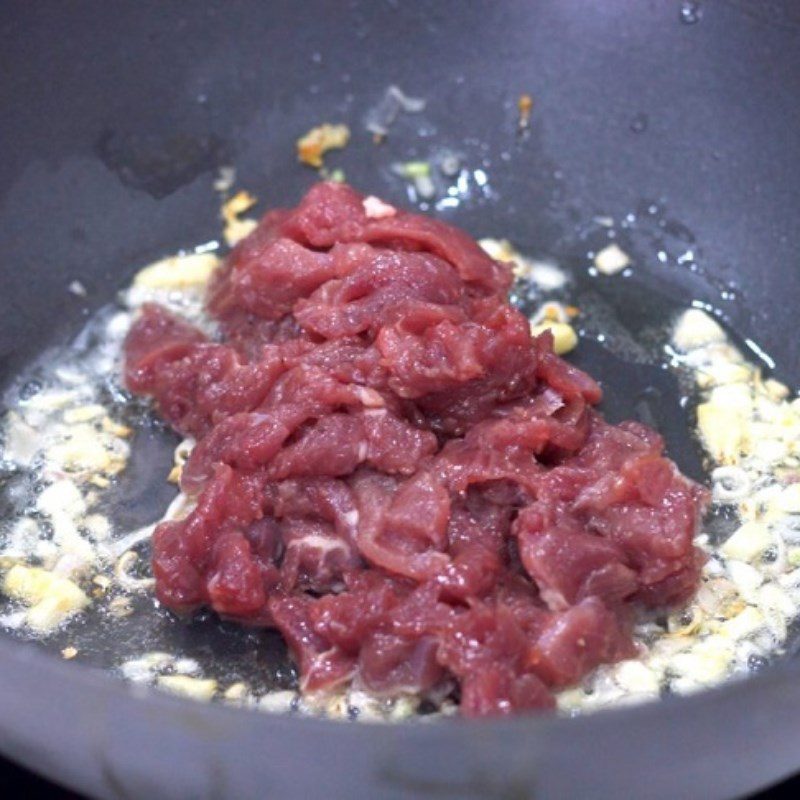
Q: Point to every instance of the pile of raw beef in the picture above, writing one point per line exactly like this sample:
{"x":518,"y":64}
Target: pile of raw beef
{"x":392,"y":472}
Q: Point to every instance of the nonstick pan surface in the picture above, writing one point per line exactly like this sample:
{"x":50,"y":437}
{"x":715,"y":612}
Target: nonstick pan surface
{"x":116,"y":116}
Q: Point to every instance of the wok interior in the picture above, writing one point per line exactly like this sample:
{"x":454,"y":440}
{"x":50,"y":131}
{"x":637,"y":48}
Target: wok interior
{"x":128,"y":178}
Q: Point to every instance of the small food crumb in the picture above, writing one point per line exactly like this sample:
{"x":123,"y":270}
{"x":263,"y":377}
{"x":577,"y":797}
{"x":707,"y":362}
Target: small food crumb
{"x":77,"y":288}
{"x":695,"y":328}
{"x":69,"y":652}
{"x":545,"y":274}
{"x":236,"y":692}
{"x":425,"y":187}
{"x":775,"y":389}
{"x":564,"y":336}
{"x":748,"y":542}
{"x":636,"y":677}
{"x":722,"y":421}
{"x":412,"y":169}
{"x":186,"y":686}
{"x":375,"y":208}
{"x":312,"y":147}
{"x":236,"y":227}
{"x":21,"y":441}
{"x":524,"y":107}
{"x":84,"y":449}
{"x":123,"y":573}
{"x":177,"y":272}
{"x":72,"y":416}
{"x":186,"y":666}
{"x":611,"y":260}
{"x":337,"y":176}
{"x":144,"y":668}
{"x":51,"y":598}
{"x":418,"y":173}
{"x":498,"y":249}
{"x":277,"y":702}
{"x":102,"y":582}
{"x":553,"y":311}
{"x":225,"y":179}
{"x":120,"y":607}
{"x":116,"y":428}
{"x":743,"y":624}
{"x":242,"y":201}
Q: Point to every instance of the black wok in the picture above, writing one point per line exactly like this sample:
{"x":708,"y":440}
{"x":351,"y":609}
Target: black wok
{"x":115,"y":115}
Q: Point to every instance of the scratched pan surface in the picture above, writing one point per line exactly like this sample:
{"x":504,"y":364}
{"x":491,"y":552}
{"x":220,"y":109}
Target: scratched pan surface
{"x":116,"y":116}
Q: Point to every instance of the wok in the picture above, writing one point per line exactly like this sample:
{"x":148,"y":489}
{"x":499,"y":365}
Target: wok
{"x":116,"y":115}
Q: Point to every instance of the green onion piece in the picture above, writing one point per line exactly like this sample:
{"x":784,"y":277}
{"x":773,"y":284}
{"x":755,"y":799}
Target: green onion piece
{"x":414,"y":169}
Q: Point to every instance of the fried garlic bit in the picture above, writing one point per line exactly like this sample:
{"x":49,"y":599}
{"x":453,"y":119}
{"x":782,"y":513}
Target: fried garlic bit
{"x":611,"y":260}
{"x":187,"y":686}
{"x":525,"y":108}
{"x":177,"y":273}
{"x":565,"y":338}
{"x":312,"y":147}
{"x":237,"y":227}
{"x":50,"y":599}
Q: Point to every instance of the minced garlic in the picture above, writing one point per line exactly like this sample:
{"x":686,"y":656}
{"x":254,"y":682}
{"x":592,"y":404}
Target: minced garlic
{"x":50,"y":598}
{"x":186,"y":686}
{"x":177,"y":272}
{"x":238,"y":227}
{"x":611,"y":260}
{"x":312,"y":147}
